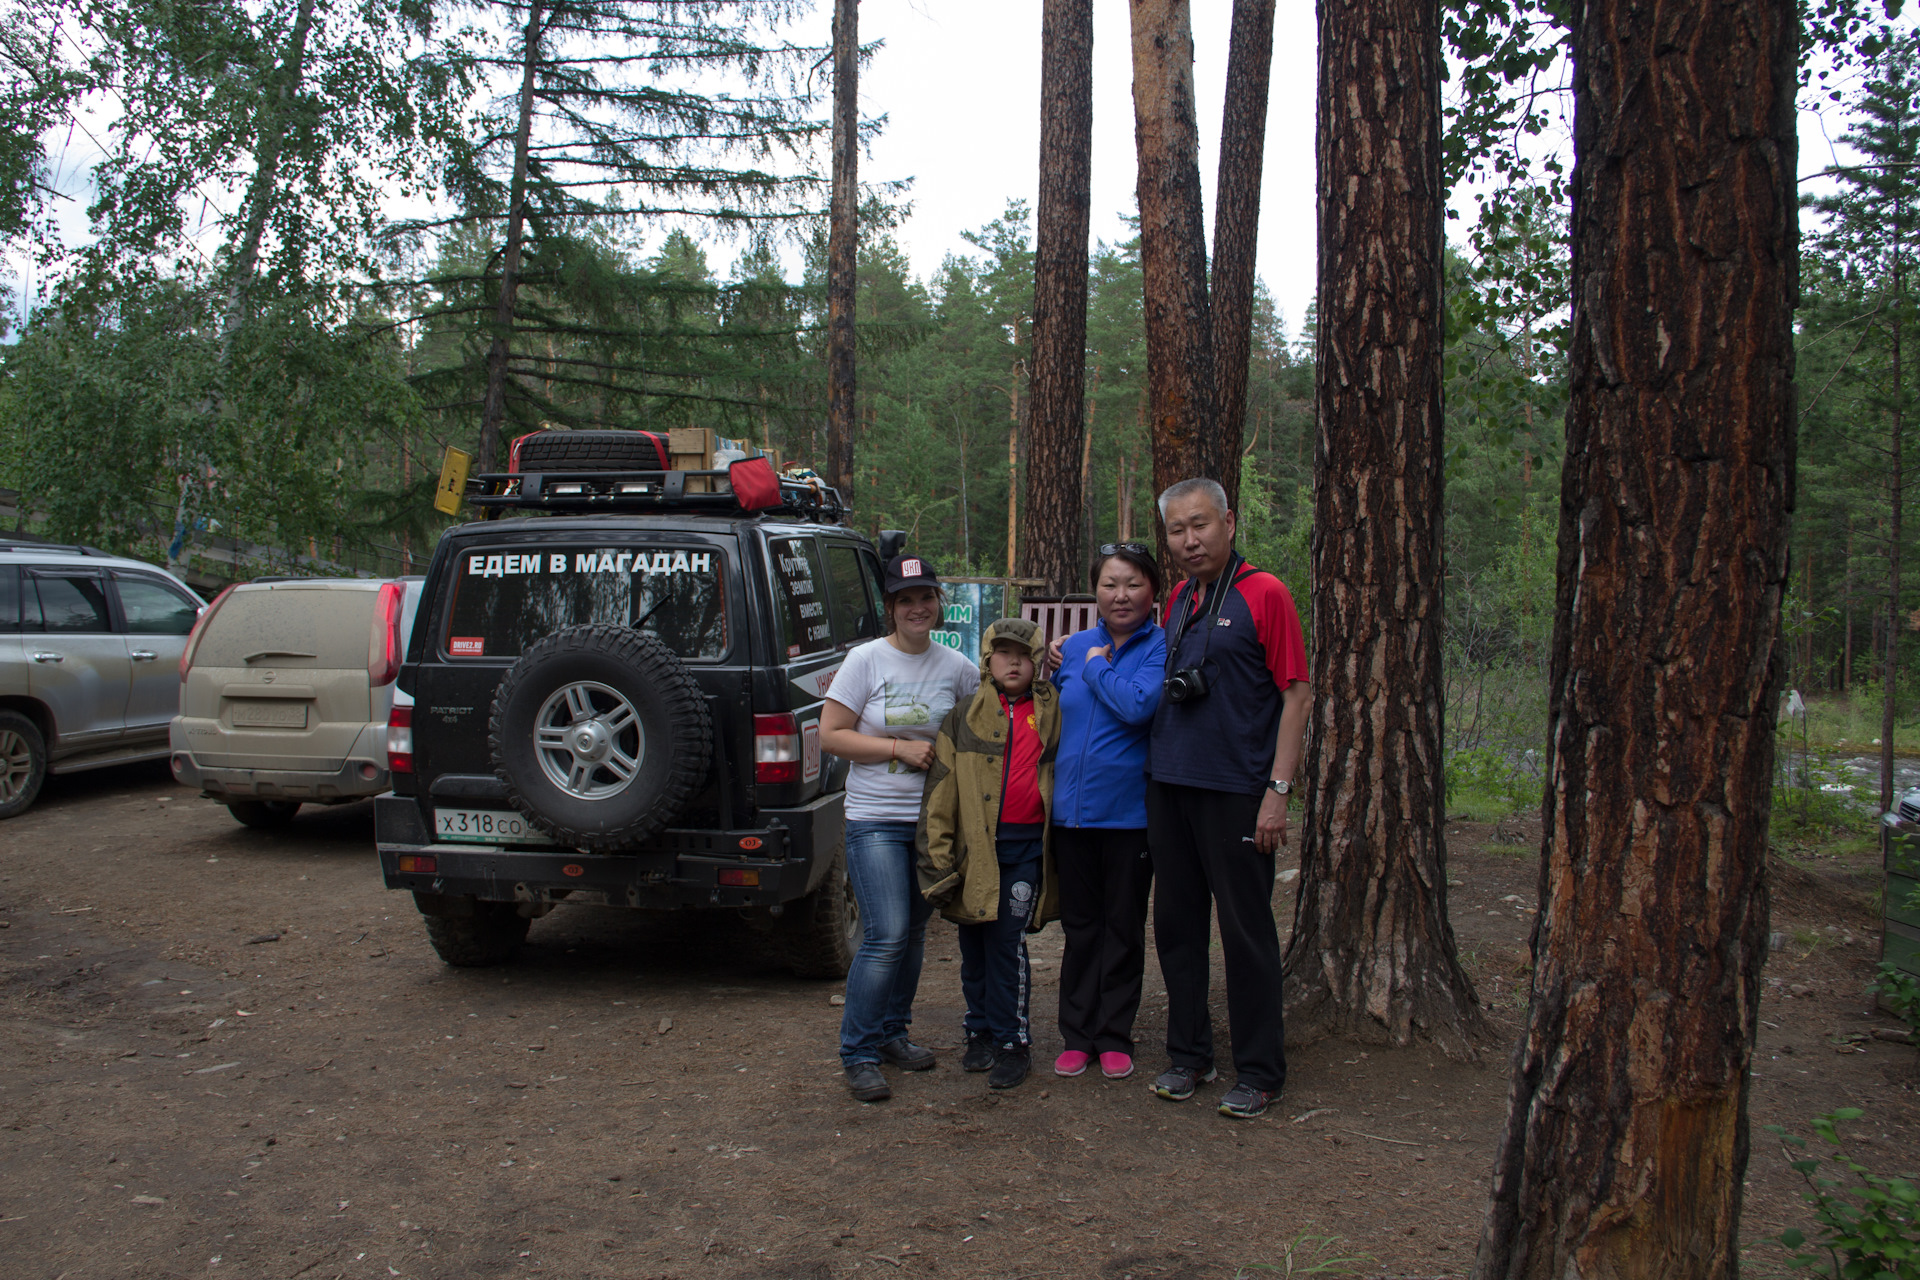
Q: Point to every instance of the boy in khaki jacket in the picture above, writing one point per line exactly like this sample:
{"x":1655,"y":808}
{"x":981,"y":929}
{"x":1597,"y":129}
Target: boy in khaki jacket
{"x":983,"y":855}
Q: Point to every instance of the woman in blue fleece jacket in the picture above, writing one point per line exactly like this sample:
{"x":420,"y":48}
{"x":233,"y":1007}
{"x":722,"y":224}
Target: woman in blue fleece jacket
{"x":1109,"y":681}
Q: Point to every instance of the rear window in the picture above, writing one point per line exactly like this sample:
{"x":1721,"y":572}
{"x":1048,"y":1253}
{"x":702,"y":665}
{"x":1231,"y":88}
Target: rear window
{"x":298,"y":627}
{"x":505,"y":599}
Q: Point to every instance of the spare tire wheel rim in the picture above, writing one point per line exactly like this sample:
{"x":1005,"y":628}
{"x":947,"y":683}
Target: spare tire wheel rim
{"x":589,"y":740}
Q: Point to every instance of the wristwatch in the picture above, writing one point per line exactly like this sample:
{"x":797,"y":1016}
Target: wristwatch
{"x":1279,"y":786}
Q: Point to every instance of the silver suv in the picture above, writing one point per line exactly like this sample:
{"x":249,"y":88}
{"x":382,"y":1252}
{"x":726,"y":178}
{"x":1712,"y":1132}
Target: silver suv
{"x":284,"y":693}
{"x":90,"y":647}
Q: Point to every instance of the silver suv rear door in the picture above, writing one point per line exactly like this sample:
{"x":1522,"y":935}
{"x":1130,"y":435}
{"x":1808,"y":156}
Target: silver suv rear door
{"x":76,"y":664}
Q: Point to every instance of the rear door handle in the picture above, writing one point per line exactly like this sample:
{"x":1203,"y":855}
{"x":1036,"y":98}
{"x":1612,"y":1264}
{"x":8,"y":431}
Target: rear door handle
{"x":49,"y":657}
{"x":143,"y":655}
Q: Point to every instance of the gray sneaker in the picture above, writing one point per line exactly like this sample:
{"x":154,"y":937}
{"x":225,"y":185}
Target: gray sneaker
{"x":1244,"y":1102}
{"x":865,"y":1082}
{"x":1176,"y":1084}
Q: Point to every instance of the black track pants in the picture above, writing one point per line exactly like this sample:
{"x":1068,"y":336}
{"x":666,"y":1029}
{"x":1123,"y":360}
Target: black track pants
{"x":1204,"y":856}
{"x":1104,"y":877}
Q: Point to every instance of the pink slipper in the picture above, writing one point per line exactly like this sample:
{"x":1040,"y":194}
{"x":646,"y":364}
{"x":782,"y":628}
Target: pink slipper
{"x":1116,"y":1066}
{"x":1071,"y":1063}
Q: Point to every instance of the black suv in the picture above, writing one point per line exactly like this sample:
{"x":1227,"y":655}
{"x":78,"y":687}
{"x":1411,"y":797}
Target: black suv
{"x":617,"y":701}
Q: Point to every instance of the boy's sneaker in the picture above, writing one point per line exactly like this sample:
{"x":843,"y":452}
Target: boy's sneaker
{"x":1009,"y":1067}
{"x":1244,"y":1102}
{"x":1071,"y":1063}
{"x":1176,"y":1084}
{"x":907,"y":1055}
{"x":865,"y":1082}
{"x":1115,"y":1065}
{"x":979,"y":1055}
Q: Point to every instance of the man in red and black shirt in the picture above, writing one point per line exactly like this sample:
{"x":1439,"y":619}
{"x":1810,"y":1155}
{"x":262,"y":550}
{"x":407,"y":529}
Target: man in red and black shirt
{"x":1226,"y":740}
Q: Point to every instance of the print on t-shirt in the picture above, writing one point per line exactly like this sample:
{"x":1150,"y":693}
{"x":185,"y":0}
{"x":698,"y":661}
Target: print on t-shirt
{"x":913,"y":703}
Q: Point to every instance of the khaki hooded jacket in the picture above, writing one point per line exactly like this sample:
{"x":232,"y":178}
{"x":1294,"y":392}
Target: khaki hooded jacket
{"x":958,"y":869}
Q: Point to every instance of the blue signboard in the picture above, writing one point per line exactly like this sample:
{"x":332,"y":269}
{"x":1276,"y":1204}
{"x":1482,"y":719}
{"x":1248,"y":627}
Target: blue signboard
{"x":971,"y":608}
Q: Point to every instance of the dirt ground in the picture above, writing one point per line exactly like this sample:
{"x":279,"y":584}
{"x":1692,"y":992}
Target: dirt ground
{"x":233,"y":1053}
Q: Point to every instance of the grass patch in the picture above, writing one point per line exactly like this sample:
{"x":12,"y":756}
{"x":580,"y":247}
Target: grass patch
{"x":1511,"y":850}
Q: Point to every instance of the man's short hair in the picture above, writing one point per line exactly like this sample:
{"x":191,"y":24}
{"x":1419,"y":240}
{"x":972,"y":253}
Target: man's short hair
{"x":1187,"y":488}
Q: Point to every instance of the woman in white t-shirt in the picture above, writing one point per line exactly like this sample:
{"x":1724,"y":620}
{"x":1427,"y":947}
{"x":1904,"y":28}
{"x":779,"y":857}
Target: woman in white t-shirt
{"x":882,"y":714}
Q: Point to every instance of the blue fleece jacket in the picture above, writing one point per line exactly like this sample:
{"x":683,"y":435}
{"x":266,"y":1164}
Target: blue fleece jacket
{"x":1106,"y":708}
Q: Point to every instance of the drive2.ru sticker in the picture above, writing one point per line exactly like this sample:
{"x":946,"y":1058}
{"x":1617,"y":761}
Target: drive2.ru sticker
{"x":467,"y":646}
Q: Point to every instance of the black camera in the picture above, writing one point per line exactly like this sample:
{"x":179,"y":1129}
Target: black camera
{"x":1189,"y":684}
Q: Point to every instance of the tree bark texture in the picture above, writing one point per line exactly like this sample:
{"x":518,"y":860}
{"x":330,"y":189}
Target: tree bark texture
{"x":1626,"y":1139}
{"x":843,"y":238}
{"x":1236,"y":233}
{"x":1372,"y":953}
{"x":1173,"y":242}
{"x":493,"y":406}
{"x":1058,"y":395}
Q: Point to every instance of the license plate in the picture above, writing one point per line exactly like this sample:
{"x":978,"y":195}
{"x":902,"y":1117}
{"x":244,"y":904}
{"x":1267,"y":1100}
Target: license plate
{"x":485,"y":826}
{"x":270,"y":715}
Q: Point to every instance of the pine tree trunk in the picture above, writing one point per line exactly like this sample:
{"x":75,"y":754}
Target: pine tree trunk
{"x":1058,"y":395}
{"x":1236,"y":228}
{"x":1626,"y":1141}
{"x":842,"y":243}
{"x":493,"y":408}
{"x":1896,"y":493}
{"x":1173,"y":242}
{"x":1372,"y":953}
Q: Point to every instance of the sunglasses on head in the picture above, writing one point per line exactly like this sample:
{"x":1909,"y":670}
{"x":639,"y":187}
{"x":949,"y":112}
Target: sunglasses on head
{"x":1115,"y":548}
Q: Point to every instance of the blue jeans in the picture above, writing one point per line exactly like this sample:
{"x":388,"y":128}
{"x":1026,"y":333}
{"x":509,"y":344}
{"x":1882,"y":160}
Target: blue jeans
{"x":885,"y":973}
{"x":994,"y":975}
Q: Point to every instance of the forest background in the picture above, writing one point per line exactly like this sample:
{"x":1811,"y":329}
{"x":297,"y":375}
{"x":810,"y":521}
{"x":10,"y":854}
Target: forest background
{"x":375,"y":169}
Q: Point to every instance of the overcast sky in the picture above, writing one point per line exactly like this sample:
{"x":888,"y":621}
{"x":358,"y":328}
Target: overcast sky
{"x":960,"y":86}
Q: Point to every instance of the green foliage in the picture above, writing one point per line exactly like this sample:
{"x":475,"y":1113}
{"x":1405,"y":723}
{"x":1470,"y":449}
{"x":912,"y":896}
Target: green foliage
{"x":1869,"y":1224}
{"x":1899,"y":991}
{"x":1307,"y":1254}
{"x":1485,"y":784}
{"x":1814,"y":791}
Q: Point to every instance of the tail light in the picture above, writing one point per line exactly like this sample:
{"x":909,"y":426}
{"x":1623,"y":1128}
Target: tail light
{"x":199,"y":630}
{"x":383,"y":645}
{"x":776,"y":748}
{"x":400,"y":740}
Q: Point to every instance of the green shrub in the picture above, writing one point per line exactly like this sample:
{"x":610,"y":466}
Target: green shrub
{"x":1869,"y":1224}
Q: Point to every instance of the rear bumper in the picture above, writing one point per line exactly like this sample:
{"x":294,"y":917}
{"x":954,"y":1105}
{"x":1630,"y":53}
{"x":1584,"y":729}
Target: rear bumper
{"x":677,"y":868}
{"x":363,"y":773}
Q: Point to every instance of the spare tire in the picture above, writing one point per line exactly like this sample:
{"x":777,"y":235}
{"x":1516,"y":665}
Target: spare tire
{"x":591,"y":451}
{"x":601,"y":736}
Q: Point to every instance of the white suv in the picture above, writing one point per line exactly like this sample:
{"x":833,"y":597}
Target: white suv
{"x":90,"y":647}
{"x":284,"y":691}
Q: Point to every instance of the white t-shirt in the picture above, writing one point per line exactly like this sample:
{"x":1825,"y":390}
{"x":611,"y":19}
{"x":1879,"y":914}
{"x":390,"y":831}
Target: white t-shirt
{"x":897,"y":695}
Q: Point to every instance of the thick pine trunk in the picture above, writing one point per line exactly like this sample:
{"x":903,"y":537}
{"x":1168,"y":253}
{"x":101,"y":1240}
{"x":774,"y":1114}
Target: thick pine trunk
{"x":1626,"y":1140}
{"x":1057,"y":397}
{"x":1372,"y":953}
{"x":493,"y":408}
{"x":1236,"y":234}
{"x":1173,"y":242}
{"x":843,"y":234}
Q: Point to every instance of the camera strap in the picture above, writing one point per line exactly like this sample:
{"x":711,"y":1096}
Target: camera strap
{"x":1236,"y":569}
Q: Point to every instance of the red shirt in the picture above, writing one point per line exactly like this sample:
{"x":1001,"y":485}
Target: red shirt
{"x":1020,"y":795}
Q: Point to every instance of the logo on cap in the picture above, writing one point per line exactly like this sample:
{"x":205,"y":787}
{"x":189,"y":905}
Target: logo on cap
{"x":911,"y":568}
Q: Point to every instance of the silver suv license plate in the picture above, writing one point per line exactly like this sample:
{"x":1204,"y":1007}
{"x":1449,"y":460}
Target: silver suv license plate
{"x":485,"y":826}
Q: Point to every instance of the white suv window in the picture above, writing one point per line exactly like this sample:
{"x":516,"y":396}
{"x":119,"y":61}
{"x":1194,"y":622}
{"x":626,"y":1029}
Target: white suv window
{"x":73,"y":604}
{"x":154,"y":609}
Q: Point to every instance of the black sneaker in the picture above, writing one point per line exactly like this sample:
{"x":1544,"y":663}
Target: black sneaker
{"x":1176,"y":1084}
{"x":865,"y":1082}
{"x":907,"y":1055}
{"x":979,"y":1055}
{"x":1010,"y":1067}
{"x":1244,"y":1102}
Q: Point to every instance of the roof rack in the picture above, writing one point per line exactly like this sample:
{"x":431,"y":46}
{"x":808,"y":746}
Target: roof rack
{"x":72,"y":548}
{"x":594,"y":491}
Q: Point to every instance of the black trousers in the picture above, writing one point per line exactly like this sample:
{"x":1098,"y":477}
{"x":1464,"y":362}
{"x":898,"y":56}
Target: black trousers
{"x":1104,"y":876}
{"x":1203,"y":856}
